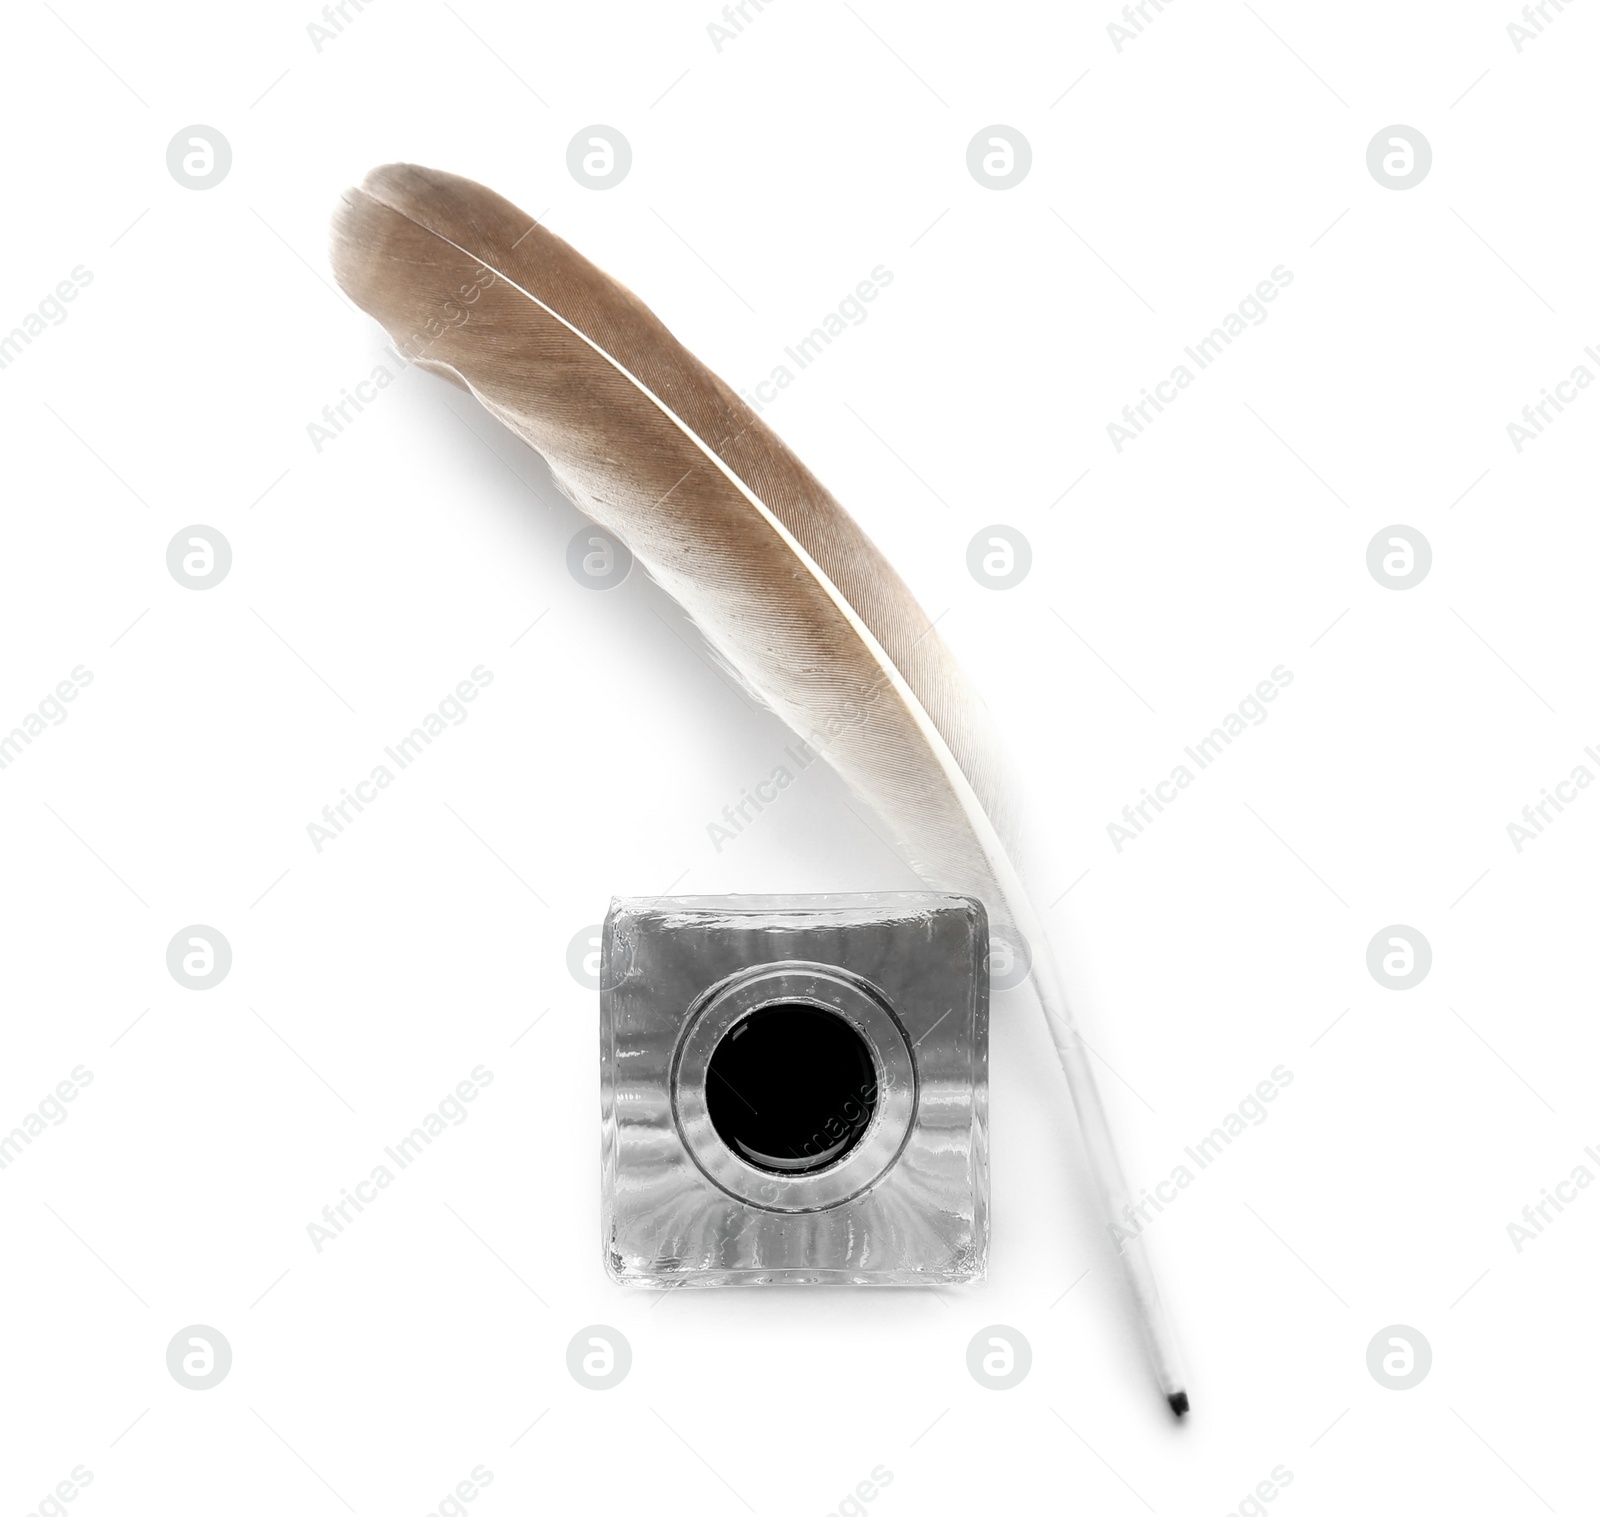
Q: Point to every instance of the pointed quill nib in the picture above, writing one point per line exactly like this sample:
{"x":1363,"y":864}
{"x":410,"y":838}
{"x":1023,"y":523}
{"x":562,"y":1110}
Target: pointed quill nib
{"x":1179,"y":1402}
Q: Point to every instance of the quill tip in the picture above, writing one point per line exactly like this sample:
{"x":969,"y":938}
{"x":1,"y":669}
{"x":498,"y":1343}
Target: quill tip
{"x":1179,"y":1402}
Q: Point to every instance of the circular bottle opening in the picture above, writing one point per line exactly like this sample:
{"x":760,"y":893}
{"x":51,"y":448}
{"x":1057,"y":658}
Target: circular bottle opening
{"x":791,"y":1088}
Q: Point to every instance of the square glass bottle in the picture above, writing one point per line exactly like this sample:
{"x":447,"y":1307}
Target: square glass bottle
{"x":794,"y":1090}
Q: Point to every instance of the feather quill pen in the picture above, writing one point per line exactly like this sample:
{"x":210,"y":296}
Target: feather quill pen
{"x":782,"y":583}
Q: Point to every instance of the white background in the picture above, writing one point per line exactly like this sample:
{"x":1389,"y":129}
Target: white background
{"x":369,"y":578}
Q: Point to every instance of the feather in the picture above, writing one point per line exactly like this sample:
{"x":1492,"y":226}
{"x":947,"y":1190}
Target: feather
{"x":780,"y":580}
